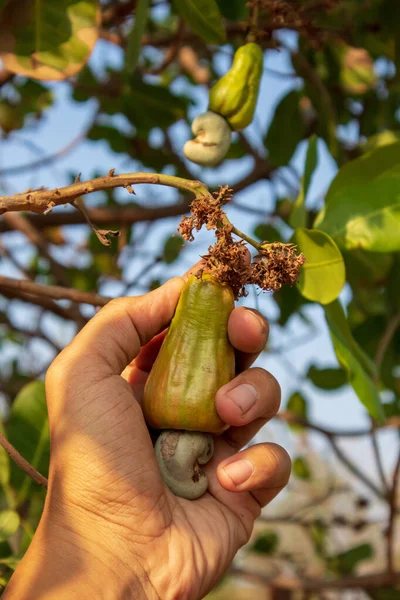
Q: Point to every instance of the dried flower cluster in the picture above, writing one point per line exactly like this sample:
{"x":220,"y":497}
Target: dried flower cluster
{"x":276,"y":264}
{"x":290,"y":14}
{"x":229,"y":262}
{"x":205,"y":210}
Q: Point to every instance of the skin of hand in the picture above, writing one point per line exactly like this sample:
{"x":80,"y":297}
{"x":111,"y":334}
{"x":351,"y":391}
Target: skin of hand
{"x":110,"y":528}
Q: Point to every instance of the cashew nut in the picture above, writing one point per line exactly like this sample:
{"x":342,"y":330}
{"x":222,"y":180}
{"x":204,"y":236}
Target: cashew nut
{"x":212,"y":141}
{"x":179,"y":454}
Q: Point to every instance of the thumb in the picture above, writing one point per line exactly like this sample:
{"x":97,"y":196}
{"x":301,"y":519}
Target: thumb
{"x":110,"y":341}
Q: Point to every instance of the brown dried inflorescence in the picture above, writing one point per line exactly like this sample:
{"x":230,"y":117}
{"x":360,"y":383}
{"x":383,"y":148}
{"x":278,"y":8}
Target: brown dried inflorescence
{"x":276,"y":265}
{"x":228,"y":261}
{"x":291,"y":14}
{"x":205,"y":210}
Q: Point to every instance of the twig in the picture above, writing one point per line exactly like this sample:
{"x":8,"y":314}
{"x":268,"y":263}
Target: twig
{"x":354,"y":469}
{"x":46,"y":303}
{"x":46,"y":160}
{"x":378,"y":460}
{"x":122,"y":215}
{"x":53,"y":291}
{"x":172,"y":51}
{"x":41,"y":200}
{"x":22,"y":463}
{"x":288,"y":417}
{"x":392,"y":515}
{"x":4,"y":320}
{"x":21,"y":224}
{"x":376,"y":580}
{"x":385,"y":340}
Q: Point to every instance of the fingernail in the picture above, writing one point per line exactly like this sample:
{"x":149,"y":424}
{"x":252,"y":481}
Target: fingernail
{"x":244,"y":396}
{"x":239,"y":471}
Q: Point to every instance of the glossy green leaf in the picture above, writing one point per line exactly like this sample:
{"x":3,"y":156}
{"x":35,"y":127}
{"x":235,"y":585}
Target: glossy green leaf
{"x":147,"y":106}
{"x":363,"y":202}
{"x":357,"y":365}
{"x":311,"y":163}
{"x":383,"y":138}
{"x":135,"y":36}
{"x":172,"y":248}
{"x":298,"y":216}
{"x":344,"y":563}
{"x":28,"y":430}
{"x":267,"y":233}
{"x":4,"y":461}
{"x":289,"y":301}
{"x":9,"y":523}
{"x":11,"y":562}
{"x":234,"y":10}
{"x":322,"y":277}
{"x":327,"y":378}
{"x":286,"y":130}
{"x":203,"y":18}
{"x":266,"y":543}
{"x":301,"y":468}
{"x":297,"y":405}
{"x":53,"y":40}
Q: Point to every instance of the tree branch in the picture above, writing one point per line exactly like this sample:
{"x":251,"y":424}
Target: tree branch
{"x":46,"y":160}
{"x":52,"y":291}
{"x":376,"y":580}
{"x":392,"y":516}
{"x":22,"y":463}
{"x":40,"y":201}
{"x":385,"y":340}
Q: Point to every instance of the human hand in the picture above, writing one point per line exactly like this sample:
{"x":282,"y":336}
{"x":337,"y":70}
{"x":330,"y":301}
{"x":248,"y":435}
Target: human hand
{"x":110,"y":527}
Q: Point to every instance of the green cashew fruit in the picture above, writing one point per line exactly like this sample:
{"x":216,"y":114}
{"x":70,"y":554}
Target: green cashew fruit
{"x":234,"y":96}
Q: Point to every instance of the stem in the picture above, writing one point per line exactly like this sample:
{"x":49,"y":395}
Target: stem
{"x":242,"y":235}
{"x":44,"y":200}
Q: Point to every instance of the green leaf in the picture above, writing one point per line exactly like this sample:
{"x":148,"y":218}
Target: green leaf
{"x":11,"y":562}
{"x":28,"y":430}
{"x":363,"y":202}
{"x":327,"y":378}
{"x":203,"y":18}
{"x":9,"y":523}
{"x":322,"y":277}
{"x":383,"y":138}
{"x":357,"y":365}
{"x":345,"y":562}
{"x":147,"y":106}
{"x":297,"y":405}
{"x":53,"y":40}
{"x":298,"y":216}
{"x":301,"y":469}
{"x":4,"y":463}
{"x":266,"y":543}
{"x":135,"y":36}
{"x":234,"y":10}
{"x":267,"y":233}
{"x":172,"y":248}
{"x":311,"y":163}
{"x":289,"y":301}
{"x":286,"y":130}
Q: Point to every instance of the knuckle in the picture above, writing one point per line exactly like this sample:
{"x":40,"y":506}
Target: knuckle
{"x":269,"y":387}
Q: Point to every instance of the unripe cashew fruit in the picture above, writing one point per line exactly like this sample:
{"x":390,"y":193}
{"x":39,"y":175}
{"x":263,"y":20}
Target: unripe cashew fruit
{"x":212,"y":141}
{"x":235,"y":95}
{"x":179,"y":455}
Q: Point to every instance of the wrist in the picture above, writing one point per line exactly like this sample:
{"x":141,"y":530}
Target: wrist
{"x":65,"y":562}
